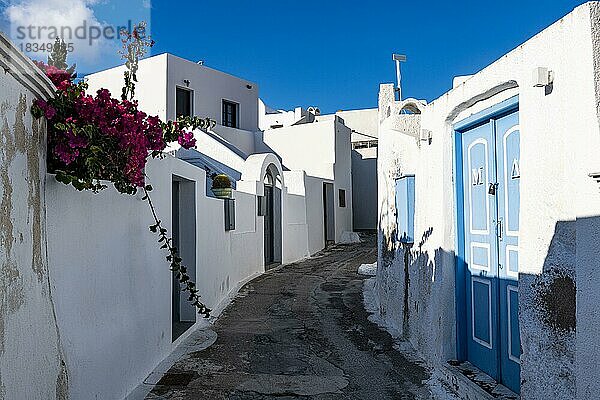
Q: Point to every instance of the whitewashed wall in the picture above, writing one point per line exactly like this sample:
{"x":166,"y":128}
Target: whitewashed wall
{"x":211,"y":87}
{"x":314,"y":213}
{"x":308,"y":147}
{"x":31,"y":351}
{"x":560,"y":206}
{"x":268,"y":117}
{"x":295,"y":217}
{"x":364,"y":125}
{"x":364,"y":122}
{"x":323,"y":151}
{"x":364,"y":188}
{"x":342,"y":178}
{"x":150,"y":91}
{"x":113,"y":285}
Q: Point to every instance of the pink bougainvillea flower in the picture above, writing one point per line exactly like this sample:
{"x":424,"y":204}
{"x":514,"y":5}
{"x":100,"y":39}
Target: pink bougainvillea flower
{"x":65,"y":154}
{"x":61,"y":78}
{"x":124,"y":135}
{"x":50,"y":112}
{"x":186,"y":140}
{"x":47,"y":109}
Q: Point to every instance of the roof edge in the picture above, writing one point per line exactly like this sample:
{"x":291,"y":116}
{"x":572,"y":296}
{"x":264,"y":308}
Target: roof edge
{"x":22,"y":68}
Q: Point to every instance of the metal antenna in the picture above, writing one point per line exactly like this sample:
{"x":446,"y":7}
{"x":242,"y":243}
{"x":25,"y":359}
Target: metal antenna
{"x":399,"y":58}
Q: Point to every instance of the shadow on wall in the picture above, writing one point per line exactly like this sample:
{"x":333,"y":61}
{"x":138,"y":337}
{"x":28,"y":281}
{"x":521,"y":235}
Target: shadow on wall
{"x":364,"y":191}
{"x":261,"y":147}
{"x":548,"y":318}
{"x":417,"y":299}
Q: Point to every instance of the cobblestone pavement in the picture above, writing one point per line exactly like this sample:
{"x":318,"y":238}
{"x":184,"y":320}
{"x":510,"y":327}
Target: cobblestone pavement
{"x":299,"y":331}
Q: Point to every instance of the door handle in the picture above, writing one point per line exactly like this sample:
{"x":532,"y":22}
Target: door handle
{"x":500,"y":229}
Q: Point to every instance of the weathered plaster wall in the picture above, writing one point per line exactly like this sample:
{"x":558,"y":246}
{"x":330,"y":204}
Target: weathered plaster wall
{"x":31,"y":359}
{"x":559,"y":144}
{"x":587,"y":228}
{"x":397,"y":157}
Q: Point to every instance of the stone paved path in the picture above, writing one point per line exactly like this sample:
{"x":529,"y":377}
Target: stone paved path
{"x":299,"y":331}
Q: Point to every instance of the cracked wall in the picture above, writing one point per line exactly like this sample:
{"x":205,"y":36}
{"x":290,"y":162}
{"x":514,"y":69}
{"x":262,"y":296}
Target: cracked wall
{"x":31,"y":361}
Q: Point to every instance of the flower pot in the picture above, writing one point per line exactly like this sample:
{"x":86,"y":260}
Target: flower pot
{"x":222,"y":193}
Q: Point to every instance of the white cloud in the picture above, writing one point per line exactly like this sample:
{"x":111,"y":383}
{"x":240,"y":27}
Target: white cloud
{"x":65,"y":17}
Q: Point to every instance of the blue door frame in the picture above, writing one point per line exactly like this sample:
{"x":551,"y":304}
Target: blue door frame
{"x":495,"y":363}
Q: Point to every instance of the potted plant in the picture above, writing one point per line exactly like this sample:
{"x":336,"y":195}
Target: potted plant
{"x":221,"y":186}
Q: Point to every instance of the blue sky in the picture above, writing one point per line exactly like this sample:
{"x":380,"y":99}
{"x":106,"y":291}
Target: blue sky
{"x":332,"y":54}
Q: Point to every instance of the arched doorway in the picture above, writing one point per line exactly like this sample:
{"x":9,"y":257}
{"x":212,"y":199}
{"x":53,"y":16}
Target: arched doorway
{"x":269,"y":241}
{"x":272,"y":217}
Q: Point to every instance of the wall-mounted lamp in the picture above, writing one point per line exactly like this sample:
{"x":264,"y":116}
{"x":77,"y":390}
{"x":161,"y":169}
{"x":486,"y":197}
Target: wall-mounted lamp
{"x":595,"y":176}
{"x":542,"y":77}
{"x":187,"y":82}
{"x":425,"y":136}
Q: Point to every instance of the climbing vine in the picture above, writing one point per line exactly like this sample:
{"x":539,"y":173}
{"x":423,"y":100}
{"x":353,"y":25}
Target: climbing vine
{"x":97,"y":138}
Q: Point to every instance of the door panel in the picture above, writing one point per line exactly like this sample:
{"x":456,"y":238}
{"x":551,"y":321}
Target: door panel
{"x":509,"y":174}
{"x":268,"y":225}
{"x":491,"y":193}
{"x":480,"y":251}
{"x":329,"y":213}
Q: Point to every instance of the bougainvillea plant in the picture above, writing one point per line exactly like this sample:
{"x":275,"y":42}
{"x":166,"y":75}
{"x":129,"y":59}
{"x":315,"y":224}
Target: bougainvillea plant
{"x":97,"y":138}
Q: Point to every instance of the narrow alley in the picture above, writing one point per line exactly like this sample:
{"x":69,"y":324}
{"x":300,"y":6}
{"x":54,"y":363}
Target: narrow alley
{"x":300,"y":331}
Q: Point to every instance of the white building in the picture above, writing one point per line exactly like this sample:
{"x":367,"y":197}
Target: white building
{"x":279,"y":213}
{"x":323,"y":151}
{"x":269,"y":118}
{"x":287,"y":129}
{"x":232,"y":102}
{"x":169,"y":85}
{"x":83,"y":275}
{"x":364,"y":127}
{"x":491,"y":184}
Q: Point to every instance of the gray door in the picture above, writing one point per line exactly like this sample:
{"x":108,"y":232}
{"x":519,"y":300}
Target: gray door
{"x":269,"y":235}
{"x":184,"y":239}
{"x":329,"y":213}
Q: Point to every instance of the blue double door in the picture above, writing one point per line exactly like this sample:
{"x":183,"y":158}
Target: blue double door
{"x":490,"y":190}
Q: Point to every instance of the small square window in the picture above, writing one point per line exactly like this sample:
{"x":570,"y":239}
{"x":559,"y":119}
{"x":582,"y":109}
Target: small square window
{"x":230,"y":114}
{"x":183,"y":102}
{"x":342,"y":194}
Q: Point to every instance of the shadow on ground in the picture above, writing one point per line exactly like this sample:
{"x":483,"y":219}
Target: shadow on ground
{"x":300,"y":331}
